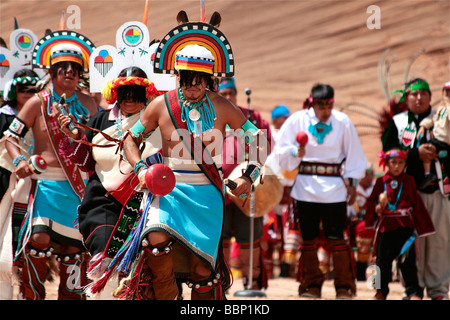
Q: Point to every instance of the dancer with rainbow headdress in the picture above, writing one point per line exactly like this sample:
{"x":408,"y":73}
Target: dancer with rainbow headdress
{"x":329,"y":165}
{"x":179,"y":235}
{"x":50,"y":199}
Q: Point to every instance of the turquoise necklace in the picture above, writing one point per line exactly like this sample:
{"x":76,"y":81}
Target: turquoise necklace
{"x":118,"y":122}
{"x":75,"y":106}
{"x":199,"y":116}
{"x":393,"y":206}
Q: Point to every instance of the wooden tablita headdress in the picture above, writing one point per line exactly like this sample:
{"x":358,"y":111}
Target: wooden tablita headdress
{"x":133,"y":49}
{"x":197,"y":46}
{"x":19,"y":56}
{"x":61,"y":46}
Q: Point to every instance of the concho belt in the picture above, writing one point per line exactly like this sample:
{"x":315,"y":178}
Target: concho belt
{"x":398,"y":213}
{"x":320,"y":169}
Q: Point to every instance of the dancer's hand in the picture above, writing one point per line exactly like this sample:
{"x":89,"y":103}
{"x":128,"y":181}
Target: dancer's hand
{"x":243,"y":188}
{"x":23,"y":170}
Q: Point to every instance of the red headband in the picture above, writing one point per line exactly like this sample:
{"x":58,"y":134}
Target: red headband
{"x":310,"y":101}
{"x":393,"y":153}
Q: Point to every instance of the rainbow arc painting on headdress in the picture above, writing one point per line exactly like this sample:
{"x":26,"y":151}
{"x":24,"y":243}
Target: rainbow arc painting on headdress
{"x":198,"y":33}
{"x":42,"y":51}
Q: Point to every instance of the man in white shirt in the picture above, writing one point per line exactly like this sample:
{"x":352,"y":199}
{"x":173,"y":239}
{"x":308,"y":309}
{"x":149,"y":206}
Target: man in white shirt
{"x":329,"y":166}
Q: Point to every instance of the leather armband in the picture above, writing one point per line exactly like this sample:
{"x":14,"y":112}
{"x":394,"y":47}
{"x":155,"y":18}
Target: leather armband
{"x":137,"y":129}
{"x":17,"y":129}
{"x":252,"y":172}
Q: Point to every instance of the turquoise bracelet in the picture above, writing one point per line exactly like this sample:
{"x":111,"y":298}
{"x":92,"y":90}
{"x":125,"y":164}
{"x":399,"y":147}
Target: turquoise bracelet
{"x":19,"y":158}
{"x":138,"y":165}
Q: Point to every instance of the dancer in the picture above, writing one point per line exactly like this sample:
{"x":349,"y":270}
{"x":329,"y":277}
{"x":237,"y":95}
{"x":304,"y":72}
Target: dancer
{"x":329,"y":166}
{"x":51,"y":198}
{"x":434,"y":251}
{"x":180,"y":235}
{"x":18,"y":91}
{"x":398,"y":215}
{"x":110,"y":201}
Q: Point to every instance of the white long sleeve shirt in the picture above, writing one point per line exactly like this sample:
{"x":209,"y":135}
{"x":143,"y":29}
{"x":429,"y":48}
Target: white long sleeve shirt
{"x":342,"y":142}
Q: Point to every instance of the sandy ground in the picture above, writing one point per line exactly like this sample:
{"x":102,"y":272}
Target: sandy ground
{"x":278,"y":289}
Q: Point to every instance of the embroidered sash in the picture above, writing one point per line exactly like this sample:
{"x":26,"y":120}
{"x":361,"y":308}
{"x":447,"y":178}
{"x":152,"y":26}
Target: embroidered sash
{"x":72,"y":173}
{"x":192,"y":144}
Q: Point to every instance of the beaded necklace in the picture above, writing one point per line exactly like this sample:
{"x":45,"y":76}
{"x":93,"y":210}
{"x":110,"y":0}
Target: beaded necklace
{"x":393,"y":206}
{"x":199,"y":116}
{"x":118,"y":122}
{"x":75,"y":106}
{"x":118,"y":125}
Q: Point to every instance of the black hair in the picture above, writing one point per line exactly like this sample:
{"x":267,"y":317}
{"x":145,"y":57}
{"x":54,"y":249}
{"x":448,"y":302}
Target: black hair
{"x":20,"y":87}
{"x":322,"y":91}
{"x":63,"y":64}
{"x":3,"y":43}
{"x":132,"y":92}
{"x":187,"y":77}
{"x":26,"y":73}
{"x":133,"y":72}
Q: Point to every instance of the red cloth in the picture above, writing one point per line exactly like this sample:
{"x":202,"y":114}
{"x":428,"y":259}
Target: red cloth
{"x":362,"y":231}
{"x":419,"y":219}
{"x":235,"y":251}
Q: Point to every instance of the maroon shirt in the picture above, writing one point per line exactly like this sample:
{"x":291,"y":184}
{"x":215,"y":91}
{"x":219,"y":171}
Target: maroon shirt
{"x":409,"y":201}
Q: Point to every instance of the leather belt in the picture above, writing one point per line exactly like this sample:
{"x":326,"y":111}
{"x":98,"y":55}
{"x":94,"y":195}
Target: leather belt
{"x":398,"y":213}
{"x":320,"y":169}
